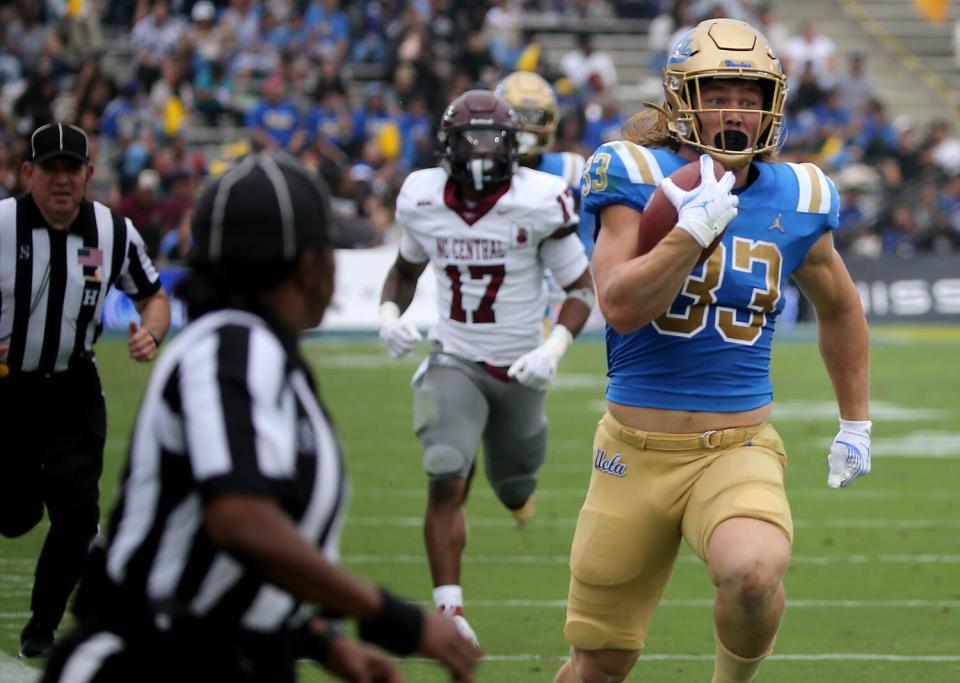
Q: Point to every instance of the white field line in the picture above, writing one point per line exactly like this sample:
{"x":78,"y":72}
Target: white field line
{"x":814,"y":657}
{"x":694,"y":602}
{"x":544,"y":520}
{"x":685,"y":559}
{"x":13,"y":671}
{"x":505,"y":522}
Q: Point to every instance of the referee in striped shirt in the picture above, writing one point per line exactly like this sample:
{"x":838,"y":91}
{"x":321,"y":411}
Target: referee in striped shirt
{"x":225,"y":536}
{"x":59,"y":255}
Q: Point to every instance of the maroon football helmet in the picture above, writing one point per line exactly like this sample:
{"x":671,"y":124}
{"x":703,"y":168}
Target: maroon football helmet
{"x":478,"y":134}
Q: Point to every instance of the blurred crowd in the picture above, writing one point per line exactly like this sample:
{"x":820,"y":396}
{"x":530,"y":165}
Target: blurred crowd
{"x":172,"y":90}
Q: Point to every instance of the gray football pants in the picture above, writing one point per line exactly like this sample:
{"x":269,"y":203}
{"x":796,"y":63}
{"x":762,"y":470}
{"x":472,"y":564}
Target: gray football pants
{"x":458,"y":403}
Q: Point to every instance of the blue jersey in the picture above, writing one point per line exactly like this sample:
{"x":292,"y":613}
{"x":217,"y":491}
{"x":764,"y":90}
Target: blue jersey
{"x":569,"y":166}
{"x":710,"y":351}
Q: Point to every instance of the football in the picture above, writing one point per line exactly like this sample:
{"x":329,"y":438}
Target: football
{"x":660,"y":217}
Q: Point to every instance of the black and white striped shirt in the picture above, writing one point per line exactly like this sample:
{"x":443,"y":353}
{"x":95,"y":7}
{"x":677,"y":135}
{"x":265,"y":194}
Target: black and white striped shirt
{"x":230,"y":409}
{"x":53,"y":282}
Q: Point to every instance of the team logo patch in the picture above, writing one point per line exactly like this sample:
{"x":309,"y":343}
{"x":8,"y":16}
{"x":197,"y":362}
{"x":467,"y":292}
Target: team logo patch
{"x":682,"y":52}
{"x":520,"y":234}
{"x":608,"y":465}
{"x":776,"y":224}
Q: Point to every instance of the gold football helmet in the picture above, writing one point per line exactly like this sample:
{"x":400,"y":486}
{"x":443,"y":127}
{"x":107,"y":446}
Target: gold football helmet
{"x":723,"y":48}
{"x":535,"y":105}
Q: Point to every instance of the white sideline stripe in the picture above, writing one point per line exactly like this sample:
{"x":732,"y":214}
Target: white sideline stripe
{"x":12,"y":670}
{"x":506,"y":522}
{"x":686,"y":559}
{"x":816,"y":657}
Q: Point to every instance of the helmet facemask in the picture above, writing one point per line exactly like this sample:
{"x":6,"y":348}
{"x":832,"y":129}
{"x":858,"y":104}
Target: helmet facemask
{"x":535,"y":106}
{"x":724,"y":49}
{"x":481,"y":157}
{"x":537,"y":128}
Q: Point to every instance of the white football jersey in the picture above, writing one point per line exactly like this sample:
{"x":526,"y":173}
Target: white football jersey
{"x":487,"y":258}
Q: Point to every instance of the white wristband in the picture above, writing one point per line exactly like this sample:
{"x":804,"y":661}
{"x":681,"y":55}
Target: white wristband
{"x":856,"y":426}
{"x":389,"y":311}
{"x":558,"y":341}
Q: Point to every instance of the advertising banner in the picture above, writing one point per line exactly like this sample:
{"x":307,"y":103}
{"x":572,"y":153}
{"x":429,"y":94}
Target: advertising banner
{"x":359,"y":276}
{"x":893,"y":290}
{"x":915,"y":290}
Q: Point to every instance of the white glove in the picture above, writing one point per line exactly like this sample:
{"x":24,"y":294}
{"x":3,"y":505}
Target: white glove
{"x":399,"y":336}
{"x":536,"y":368}
{"x":850,"y":453}
{"x":704,"y":211}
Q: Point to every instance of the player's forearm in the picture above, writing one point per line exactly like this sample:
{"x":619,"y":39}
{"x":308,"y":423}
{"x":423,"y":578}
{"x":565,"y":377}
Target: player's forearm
{"x":576,"y":308}
{"x":845,"y":348}
{"x":573,"y":315}
{"x":155,"y":314}
{"x":641,"y":290}
{"x":257,"y":532}
{"x":399,"y":289}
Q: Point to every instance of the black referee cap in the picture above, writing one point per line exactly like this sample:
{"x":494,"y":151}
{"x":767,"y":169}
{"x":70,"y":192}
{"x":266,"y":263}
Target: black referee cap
{"x":58,"y":140}
{"x":266,"y":209}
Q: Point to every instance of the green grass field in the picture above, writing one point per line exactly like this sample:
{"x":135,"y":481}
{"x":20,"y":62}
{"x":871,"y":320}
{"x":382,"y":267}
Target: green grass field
{"x":873,"y":590}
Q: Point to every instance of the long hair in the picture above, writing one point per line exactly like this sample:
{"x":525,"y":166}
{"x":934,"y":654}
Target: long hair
{"x":648,"y":128}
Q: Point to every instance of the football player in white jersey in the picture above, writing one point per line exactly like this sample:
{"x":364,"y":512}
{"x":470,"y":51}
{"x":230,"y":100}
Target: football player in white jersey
{"x":489,"y":229}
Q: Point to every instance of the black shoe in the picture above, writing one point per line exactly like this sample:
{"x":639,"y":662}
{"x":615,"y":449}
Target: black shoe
{"x":34,"y":647}
{"x":35,"y":641}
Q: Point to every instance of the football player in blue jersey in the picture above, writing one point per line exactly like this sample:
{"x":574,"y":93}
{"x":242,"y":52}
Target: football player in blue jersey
{"x":684,"y":450}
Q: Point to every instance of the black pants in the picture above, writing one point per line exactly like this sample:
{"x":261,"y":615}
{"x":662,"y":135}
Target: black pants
{"x":118,"y":639}
{"x":188,"y":652}
{"x":52,"y":456}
